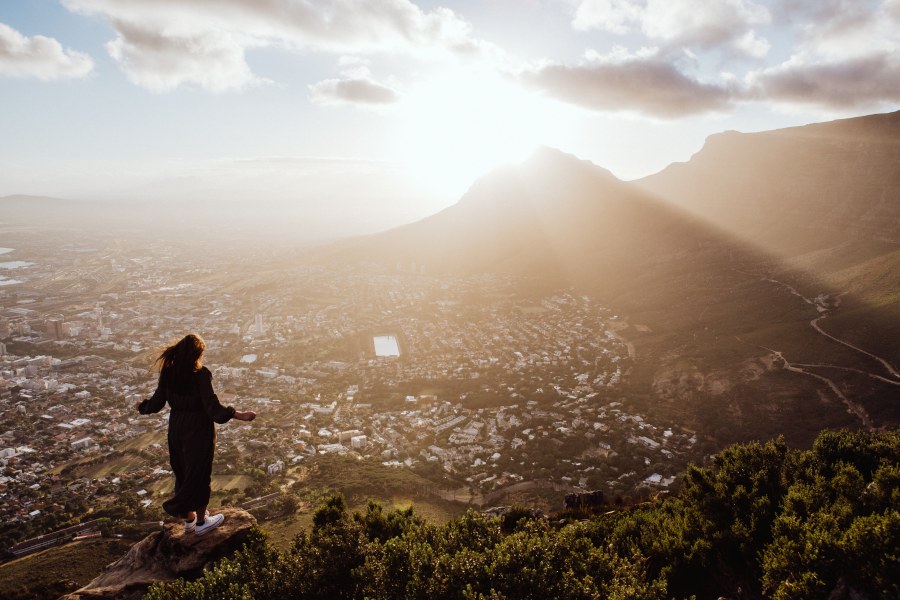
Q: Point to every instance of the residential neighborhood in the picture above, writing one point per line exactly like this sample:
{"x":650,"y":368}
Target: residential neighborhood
{"x":485,"y":383}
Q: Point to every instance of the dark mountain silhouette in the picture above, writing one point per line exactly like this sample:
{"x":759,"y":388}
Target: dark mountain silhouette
{"x":711,"y":304}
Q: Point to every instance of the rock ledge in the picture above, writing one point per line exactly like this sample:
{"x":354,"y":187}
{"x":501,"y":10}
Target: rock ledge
{"x":168,"y":555}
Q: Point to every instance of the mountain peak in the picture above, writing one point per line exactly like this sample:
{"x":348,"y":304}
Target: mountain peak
{"x":545,"y":157}
{"x":549,"y":175}
{"x":543,"y":152}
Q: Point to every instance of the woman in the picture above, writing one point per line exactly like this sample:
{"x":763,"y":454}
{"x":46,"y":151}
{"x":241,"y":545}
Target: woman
{"x":187,"y":386}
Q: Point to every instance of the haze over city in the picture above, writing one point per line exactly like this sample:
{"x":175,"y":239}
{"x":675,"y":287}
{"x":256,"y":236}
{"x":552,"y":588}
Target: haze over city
{"x":400,"y":106}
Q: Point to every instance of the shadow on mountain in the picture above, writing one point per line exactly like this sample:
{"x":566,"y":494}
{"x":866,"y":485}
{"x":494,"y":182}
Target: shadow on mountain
{"x":824,"y":199}
{"x":706,"y":307}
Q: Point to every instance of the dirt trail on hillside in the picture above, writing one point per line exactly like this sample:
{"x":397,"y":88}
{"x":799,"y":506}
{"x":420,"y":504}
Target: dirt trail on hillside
{"x":852,"y":407}
{"x":797,"y":367}
{"x":822,"y":308}
{"x":890,"y":368}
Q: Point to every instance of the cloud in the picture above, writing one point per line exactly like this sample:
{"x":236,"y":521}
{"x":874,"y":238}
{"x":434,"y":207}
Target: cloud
{"x":819,"y":18}
{"x":362,"y":91}
{"x":161,"y":44}
{"x":160,"y":63}
{"x":847,"y":56}
{"x":679,"y":23}
{"x":39,"y":57}
{"x":609,"y":15}
{"x":855,"y":82}
{"x":893,"y":9}
{"x":619,"y":82}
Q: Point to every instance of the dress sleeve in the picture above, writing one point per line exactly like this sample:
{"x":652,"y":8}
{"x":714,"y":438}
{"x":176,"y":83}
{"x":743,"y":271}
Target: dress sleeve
{"x":154,"y":403}
{"x":209,"y":400}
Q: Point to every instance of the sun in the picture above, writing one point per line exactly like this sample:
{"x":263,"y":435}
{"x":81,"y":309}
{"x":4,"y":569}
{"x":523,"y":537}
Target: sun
{"x":461,"y":124}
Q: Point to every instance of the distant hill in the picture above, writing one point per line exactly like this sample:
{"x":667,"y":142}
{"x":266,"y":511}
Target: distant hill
{"x":22,"y":208}
{"x":709,"y":259}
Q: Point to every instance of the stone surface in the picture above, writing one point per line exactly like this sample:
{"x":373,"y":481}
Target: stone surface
{"x":168,"y":555}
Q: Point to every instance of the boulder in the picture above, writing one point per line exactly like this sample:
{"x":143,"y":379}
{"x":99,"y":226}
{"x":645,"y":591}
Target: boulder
{"x":168,"y":555}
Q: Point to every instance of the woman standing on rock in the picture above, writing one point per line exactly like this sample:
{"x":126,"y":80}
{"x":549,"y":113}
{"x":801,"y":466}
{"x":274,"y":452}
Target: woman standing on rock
{"x":187,"y":386}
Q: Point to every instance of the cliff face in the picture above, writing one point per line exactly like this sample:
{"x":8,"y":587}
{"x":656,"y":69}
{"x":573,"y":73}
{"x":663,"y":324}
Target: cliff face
{"x":168,"y":555}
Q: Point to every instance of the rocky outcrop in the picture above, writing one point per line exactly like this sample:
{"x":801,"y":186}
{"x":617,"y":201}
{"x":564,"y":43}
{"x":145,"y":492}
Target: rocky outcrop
{"x":168,"y":555}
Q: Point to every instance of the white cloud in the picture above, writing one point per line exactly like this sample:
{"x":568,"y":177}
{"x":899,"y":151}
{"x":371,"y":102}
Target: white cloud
{"x":644,"y":82}
{"x":610,"y":15}
{"x":352,"y":90}
{"x":847,"y":56}
{"x":701,"y":23}
{"x":679,"y":23}
{"x":164,"y":43}
{"x":893,"y":9}
{"x":39,"y":57}
{"x":751,"y":45}
{"x":844,"y":54}
{"x":819,"y":18}
{"x":856,"y":82}
{"x":159,"y":62}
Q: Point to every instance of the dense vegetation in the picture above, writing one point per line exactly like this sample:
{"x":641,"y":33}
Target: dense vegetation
{"x":761,"y":521}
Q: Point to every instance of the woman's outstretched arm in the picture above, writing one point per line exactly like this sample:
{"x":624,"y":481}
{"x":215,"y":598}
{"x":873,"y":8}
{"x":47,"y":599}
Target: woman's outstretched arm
{"x":248,"y":415}
{"x":153,"y":404}
{"x":209,"y":400}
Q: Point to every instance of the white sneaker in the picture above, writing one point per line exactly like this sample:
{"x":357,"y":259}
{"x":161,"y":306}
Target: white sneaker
{"x":210,"y":522}
{"x":189,"y":526}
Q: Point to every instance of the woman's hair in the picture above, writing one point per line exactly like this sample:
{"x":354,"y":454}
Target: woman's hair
{"x":178,"y":362}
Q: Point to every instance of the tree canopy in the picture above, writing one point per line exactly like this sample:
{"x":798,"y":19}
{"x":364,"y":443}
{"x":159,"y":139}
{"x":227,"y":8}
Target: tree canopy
{"x":761,"y":521}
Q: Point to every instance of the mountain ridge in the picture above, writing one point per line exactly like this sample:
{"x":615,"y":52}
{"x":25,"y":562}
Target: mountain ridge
{"x":692,"y":258}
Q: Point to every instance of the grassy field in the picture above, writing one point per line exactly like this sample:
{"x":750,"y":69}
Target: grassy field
{"x":163,"y":487}
{"x":144,"y":441}
{"x":283,"y":530}
{"x":359,"y":482}
{"x":55,"y":571}
{"x":120,"y":464}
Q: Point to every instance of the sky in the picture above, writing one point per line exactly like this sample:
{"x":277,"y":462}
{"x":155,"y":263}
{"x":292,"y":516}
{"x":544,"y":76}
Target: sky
{"x":396,"y":107}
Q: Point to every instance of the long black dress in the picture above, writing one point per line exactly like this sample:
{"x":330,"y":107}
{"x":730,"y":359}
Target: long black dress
{"x":192,"y":438}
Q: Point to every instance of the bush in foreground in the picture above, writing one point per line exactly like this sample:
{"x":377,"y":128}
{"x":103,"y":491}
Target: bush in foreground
{"x":761,"y":521}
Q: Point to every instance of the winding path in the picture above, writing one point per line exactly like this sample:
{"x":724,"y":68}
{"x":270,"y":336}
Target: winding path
{"x":887,"y":365}
{"x":815,"y":325}
{"x":852,"y":407}
{"x":860,"y":371}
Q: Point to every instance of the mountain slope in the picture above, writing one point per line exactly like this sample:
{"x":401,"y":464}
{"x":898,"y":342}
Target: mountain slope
{"x":824,"y":198}
{"x":798,"y":189}
{"x":556,"y":217}
{"x":725,"y":315}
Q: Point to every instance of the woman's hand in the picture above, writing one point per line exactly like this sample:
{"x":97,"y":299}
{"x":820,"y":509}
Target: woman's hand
{"x":244,"y":416}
